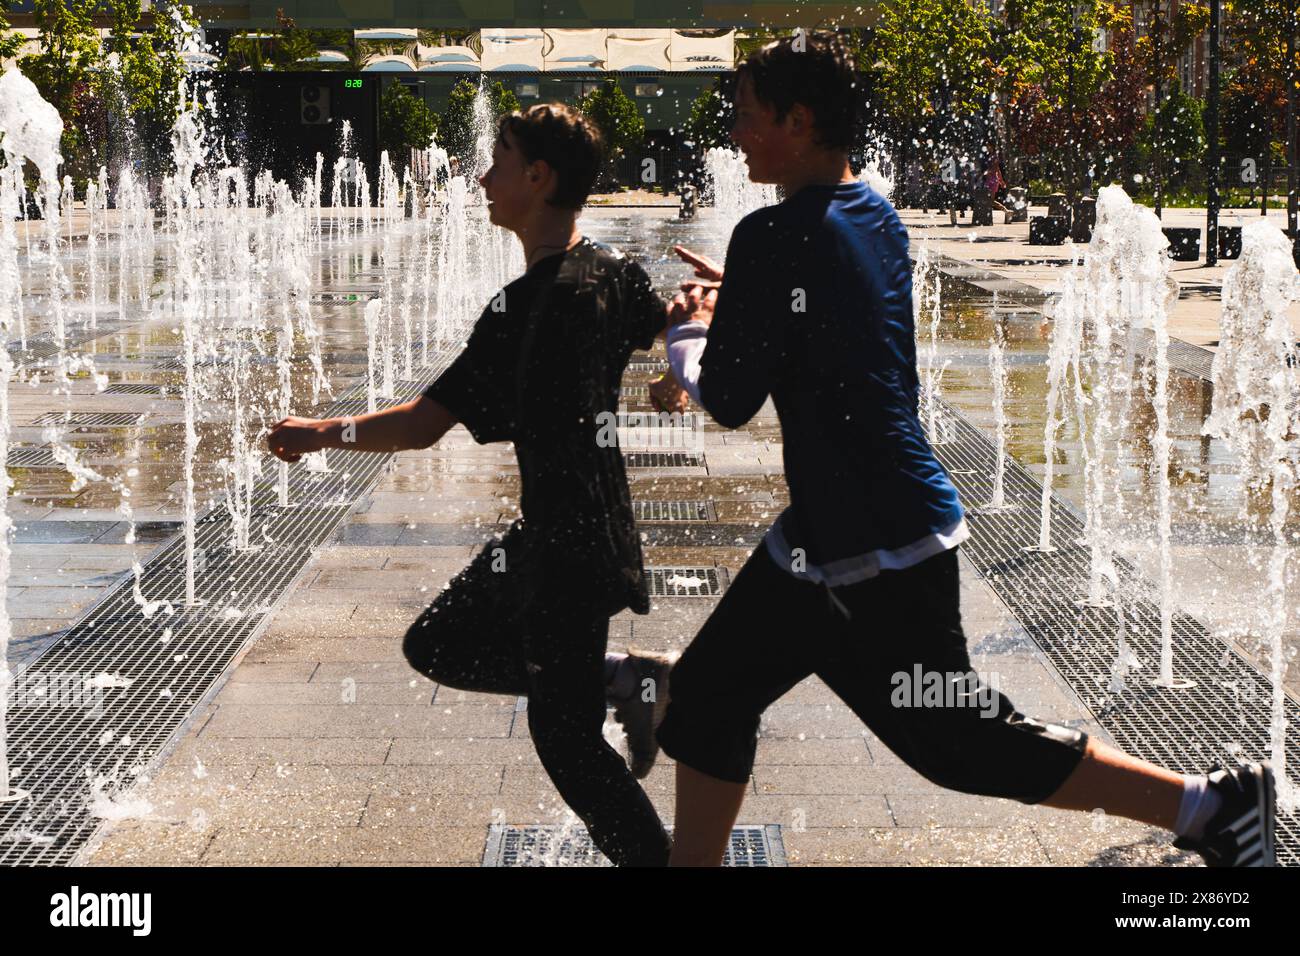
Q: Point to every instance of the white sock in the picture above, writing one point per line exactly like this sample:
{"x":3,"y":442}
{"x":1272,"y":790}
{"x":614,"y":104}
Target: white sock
{"x":1199,"y":804}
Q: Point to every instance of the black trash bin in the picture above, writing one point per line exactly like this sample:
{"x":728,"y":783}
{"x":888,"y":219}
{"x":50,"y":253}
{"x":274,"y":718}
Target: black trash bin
{"x":1048,"y":230}
{"x":1230,"y":242}
{"x":1184,"y":243}
{"x":1085,"y":220}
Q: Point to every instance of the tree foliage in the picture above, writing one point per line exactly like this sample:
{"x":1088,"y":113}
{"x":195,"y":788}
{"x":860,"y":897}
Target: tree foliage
{"x":1256,"y":75}
{"x":1178,"y":129}
{"x":137,"y":90}
{"x":1063,"y":110}
{"x":10,"y":41}
{"x":620,"y":123}
{"x":456,"y":132}
{"x":933,"y":59}
{"x":61,"y":69}
{"x":405,"y":123}
{"x":709,"y":123}
{"x":285,"y":48}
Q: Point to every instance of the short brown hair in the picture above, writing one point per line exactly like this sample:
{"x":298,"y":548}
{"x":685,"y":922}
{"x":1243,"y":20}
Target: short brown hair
{"x":566,"y":140}
{"x":817,"y":71}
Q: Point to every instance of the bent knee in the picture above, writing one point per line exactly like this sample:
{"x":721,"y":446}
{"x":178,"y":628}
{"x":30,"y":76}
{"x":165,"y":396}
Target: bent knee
{"x":420,"y":646}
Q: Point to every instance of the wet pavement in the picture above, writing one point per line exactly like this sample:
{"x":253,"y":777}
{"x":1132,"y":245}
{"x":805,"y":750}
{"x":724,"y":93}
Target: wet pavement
{"x":323,"y":747}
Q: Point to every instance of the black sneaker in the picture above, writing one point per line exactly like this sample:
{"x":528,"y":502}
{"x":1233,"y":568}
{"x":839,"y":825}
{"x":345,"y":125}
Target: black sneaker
{"x":643,"y":710}
{"x":1241,"y":833}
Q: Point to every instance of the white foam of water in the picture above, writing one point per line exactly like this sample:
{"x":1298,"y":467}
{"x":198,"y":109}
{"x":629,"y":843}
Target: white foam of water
{"x":1112,"y":308}
{"x":684,"y":581}
{"x":30,"y":129}
{"x":32,"y":126}
{"x":1256,"y":385}
{"x":105,"y":680}
{"x":727,"y":185}
{"x":118,"y":807}
{"x":874,"y":176}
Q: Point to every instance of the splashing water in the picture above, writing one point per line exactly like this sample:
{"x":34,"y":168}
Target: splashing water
{"x":31,"y":130}
{"x":874,"y":175}
{"x":998,"y":374}
{"x":927,"y":310}
{"x":1112,"y":309}
{"x":1256,"y":385}
{"x":727,"y":186}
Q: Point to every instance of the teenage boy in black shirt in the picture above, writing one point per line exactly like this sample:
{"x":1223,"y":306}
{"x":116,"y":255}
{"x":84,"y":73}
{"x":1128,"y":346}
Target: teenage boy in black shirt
{"x":530,"y":614}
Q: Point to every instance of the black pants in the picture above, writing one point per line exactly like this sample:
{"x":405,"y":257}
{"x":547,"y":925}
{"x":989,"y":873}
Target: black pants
{"x":494,"y":630}
{"x":770,"y":631}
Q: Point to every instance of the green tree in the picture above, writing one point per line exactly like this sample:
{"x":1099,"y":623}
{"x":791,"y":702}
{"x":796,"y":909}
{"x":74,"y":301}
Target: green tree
{"x":341,"y":41}
{"x":126,"y":89}
{"x":503,"y":99}
{"x":284,"y":48}
{"x":405,"y":123}
{"x":291,"y":45}
{"x":933,"y":75}
{"x":620,"y":123}
{"x":1178,"y":130}
{"x":137,"y":91}
{"x":709,"y":124}
{"x":1252,"y":117}
{"x":61,"y":70}
{"x":1064,"y":76}
{"x":1265,"y":68}
{"x":10,"y":42}
{"x":1166,"y":39}
{"x":456,"y":132}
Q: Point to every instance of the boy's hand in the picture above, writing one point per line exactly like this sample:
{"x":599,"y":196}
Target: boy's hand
{"x":696,"y":303}
{"x":666,"y":395}
{"x":705,"y":268}
{"x":292,"y":437}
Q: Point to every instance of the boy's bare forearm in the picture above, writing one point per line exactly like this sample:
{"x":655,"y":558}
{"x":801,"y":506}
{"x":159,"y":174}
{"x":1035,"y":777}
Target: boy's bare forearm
{"x":416,"y":424}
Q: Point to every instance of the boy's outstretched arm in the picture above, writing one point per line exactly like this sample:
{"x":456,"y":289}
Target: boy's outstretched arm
{"x":416,"y":424}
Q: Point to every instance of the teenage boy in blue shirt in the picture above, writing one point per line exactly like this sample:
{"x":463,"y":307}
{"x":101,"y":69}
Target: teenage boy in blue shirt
{"x":857,"y":581}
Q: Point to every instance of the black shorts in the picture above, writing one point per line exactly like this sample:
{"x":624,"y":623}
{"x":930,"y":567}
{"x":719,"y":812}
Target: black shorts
{"x":771,"y":630}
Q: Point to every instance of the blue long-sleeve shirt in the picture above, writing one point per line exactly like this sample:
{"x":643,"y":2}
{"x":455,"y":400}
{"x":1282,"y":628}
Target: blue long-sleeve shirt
{"x":815,"y":309}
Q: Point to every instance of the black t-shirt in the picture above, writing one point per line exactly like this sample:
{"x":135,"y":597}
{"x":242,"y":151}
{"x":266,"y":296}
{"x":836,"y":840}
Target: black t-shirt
{"x":542,"y":369}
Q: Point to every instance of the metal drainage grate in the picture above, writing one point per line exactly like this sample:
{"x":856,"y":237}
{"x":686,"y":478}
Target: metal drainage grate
{"x":141,"y":388}
{"x":1191,"y":358}
{"x":347,"y":298}
{"x":571,"y":846}
{"x":663,"y":459}
{"x":43,"y":345}
{"x":169,"y":662}
{"x":648,"y":365}
{"x":41,"y":457}
{"x":673,"y":510}
{"x":1224,"y":714}
{"x":686,"y":582}
{"x":683,"y":421}
{"x":105,"y":419}
{"x":177,"y":363}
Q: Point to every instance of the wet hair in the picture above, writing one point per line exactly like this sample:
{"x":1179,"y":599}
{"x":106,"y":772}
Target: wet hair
{"x":820,"y":76}
{"x":566,"y":140}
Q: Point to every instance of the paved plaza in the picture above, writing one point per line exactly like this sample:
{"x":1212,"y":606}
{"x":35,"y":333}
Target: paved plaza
{"x":321,"y":746}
